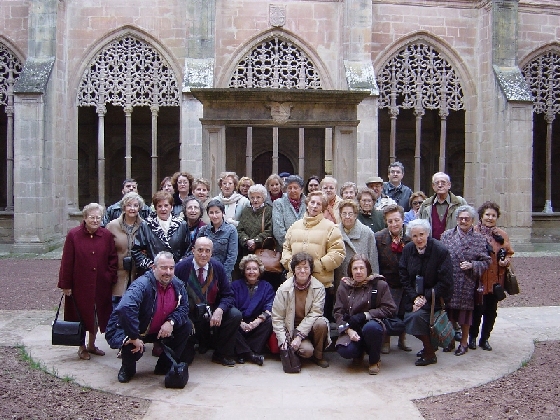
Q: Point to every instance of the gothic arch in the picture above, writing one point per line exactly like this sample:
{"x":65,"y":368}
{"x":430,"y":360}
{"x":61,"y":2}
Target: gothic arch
{"x":445,"y":50}
{"x":10,"y":68}
{"x":114,"y":36}
{"x":298,"y":43}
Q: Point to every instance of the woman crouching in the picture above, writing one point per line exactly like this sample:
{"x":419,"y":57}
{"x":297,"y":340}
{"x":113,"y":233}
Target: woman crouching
{"x":362,"y":300}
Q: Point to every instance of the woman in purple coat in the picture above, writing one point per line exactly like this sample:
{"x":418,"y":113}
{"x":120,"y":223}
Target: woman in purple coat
{"x":253,"y":298}
{"x":88,"y":271}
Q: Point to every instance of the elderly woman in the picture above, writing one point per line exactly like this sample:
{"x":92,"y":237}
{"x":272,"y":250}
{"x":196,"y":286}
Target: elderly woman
{"x":358,"y":317}
{"x":328,"y":186}
{"x":255,"y":223}
{"x":160,"y":232}
{"x":124,"y":230}
{"x":192,"y":209}
{"x":274,"y":186}
{"x":182,"y":182}
{"x":349,"y":191}
{"x":234,"y":203}
{"x":390,"y":243}
{"x":244,"y":184}
{"x":223,"y":236}
{"x":322,"y":239}
{"x":358,"y":239}
{"x":201,"y":191}
{"x":253,"y":297}
{"x":416,"y":200}
{"x":166,"y":184}
{"x":501,"y":255}
{"x":368,"y":215}
{"x":313,"y":184}
{"x":470,"y":259}
{"x":425,"y":269}
{"x":288,"y":209}
{"x":88,"y":270}
{"x":297,"y":312}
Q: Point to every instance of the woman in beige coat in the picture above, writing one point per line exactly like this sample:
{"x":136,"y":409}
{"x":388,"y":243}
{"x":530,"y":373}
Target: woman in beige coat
{"x":124,"y":230}
{"x":320,"y":238}
{"x":297,"y":312}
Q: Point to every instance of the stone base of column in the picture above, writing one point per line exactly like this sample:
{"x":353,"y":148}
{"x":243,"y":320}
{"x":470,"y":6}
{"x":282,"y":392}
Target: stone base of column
{"x":36,"y":247}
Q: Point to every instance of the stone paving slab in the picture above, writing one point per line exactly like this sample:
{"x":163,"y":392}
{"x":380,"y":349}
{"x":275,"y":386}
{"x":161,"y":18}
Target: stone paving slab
{"x":252,"y":392}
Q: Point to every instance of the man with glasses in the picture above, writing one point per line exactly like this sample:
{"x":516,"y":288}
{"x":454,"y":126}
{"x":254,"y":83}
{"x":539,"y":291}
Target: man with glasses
{"x":115,"y":210}
{"x":441,"y":208}
{"x":395,"y":188}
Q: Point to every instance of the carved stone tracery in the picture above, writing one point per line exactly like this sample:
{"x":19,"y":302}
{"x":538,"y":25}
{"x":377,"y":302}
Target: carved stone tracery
{"x":276,"y":63}
{"x":543,"y":77}
{"x":10,"y":69}
{"x":419,"y":73}
{"x":129,"y":72}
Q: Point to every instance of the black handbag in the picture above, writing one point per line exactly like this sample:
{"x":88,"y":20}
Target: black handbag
{"x":178,"y":374}
{"x":289,"y":358}
{"x":393,"y":326}
{"x":510,"y":283}
{"x":68,"y":333}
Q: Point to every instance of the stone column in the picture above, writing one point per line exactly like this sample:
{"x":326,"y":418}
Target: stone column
{"x":128,"y":140}
{"x":274,"y":150}
{"x":155,"y":111}
{"x":214,"y":153}
{"x":249,"y":153}
{"x":191,"y":151}
{"x":10,"y":143}
{"x":344,"y":153}
{"x":419,"y":113}
{"x":367,"y":139}
{"x":301,"y":153}
{"x":549,"y":118}
{"x":101,"y":111}
{"x":328,"y":151}
{"x":443,"y":114}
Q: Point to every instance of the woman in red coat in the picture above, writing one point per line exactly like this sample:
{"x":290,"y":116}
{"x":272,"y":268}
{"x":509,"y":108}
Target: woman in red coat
{"x":88,"y":271}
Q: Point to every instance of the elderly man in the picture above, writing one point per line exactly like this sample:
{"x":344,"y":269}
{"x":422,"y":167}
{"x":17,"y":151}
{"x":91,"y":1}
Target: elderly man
{"x":115,"y":210}
{"x":153,"y":308}
{"x":441,"y":208}
{"x":375,"y":183}
{"x":395,"y":188}
{"x":211,"y":300}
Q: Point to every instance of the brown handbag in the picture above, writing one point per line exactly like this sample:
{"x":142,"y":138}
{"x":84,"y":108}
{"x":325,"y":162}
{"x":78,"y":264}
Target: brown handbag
{"x":269,"y":256}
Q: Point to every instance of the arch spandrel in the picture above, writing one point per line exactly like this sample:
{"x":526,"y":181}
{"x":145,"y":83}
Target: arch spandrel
{"x":10,"y":69}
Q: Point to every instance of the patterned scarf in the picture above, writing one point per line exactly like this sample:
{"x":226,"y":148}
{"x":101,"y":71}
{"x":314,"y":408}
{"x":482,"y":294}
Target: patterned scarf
{"x":305,"y":286}
{"x":295,"y":204}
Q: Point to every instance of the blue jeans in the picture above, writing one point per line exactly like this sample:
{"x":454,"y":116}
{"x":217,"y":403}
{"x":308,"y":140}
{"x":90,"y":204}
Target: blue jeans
{"x":371,"y":340}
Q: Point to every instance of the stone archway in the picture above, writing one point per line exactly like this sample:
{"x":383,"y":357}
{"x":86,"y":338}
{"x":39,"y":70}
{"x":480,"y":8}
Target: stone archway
{"x":262,"y":166}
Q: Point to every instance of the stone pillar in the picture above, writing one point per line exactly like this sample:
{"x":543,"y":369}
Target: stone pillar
{"x":301,"y":153}
{"x":128,"y":140}
{"x":274,"y":150}
{"x":344,"y":153}
{"x":101,"y":111}
{"x":249,"y":153}
{"x":367,"y":138}
{"x":214,"y":154}
{"x":155,"y":111}
{"x":328,"y":151}
{"x":10,"y":144}
{"x":35,"y":216}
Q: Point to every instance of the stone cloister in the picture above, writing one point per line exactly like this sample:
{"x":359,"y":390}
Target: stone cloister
{"x":92,"y":93}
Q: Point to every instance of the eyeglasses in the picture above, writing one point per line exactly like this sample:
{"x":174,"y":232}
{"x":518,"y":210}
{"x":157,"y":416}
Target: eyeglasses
{"x":417,"y":203}
{"x":349,"y":214}
{"x":328,"y":188}
{"x":366,"y":201}
{"x":94,"y":218}
{"x":182,"y":182}
{"x":464,"y":219}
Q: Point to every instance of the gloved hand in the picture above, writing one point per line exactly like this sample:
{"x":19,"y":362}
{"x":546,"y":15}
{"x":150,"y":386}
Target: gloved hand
{"x":357,"y":321}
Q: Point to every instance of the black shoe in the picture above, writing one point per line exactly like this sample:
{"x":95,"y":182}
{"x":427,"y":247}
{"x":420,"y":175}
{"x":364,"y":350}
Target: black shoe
{"x":240,"y":360}
{"x":125,"y":375}
{"x":202,"y":349}
{"x":472,"y":343}
{"x":461,"y":350}
{"x":450,"y":347}
{"x":162,"y":368}
{"x":421,"y":352}
{"x":485,"y":345}
{"x":257,"y":359}
{"x":226,"y":361}
{"x":426,"y":362}
{"x":458,"y":336}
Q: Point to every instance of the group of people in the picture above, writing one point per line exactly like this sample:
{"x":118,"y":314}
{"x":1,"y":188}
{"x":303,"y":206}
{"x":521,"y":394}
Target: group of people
{"x":183,"y":274}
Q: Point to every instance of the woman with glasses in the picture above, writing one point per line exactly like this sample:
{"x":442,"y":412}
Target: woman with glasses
{"x":416,"y":200}
{"x":255,"y":223}
{"x":368,"y":215}
{"x":470,"y":259}
{"x":182,"y":183}
{"x":358,"y":239}
{"x":88,"y":270}
{"x":328,"y":186}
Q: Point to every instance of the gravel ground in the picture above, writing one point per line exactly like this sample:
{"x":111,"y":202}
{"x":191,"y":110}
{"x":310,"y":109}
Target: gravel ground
{"x":530,"y":393}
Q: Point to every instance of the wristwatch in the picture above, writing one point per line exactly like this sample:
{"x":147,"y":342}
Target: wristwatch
{"x":171,"y":322}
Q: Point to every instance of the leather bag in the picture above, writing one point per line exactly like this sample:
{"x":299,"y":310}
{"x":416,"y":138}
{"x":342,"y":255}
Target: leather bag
{"x":68,"y":333}
{"x":270,"y":257}
{"x":290,"y":360}
{"x":178,"y":374}
{"x":441,"y":330}
{"x":510,"y":283}
{"x":392,"y":326}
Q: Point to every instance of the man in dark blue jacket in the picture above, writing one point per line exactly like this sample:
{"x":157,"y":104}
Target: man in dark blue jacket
{"x":211,"y":300}
{"x":155,"y":307}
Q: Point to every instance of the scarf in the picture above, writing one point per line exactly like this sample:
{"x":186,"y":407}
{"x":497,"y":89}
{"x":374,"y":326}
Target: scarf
{"x":275,"y":197}
{"x":305,"y":286}
{"x":488,"y":232}
{"x":232,"y":199}
{"x":164,"y":224}
{"x":295,"y":204}
{"x":397,"y":246}
{"x":353,"y":283}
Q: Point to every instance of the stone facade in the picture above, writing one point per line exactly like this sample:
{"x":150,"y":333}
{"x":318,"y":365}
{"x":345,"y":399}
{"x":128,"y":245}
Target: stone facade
{"x":62,"y":148}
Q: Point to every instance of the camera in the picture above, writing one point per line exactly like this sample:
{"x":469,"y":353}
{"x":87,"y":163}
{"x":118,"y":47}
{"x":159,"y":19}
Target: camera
{"x":127,"y":263}
{"x":203,"y":311}
{"x":501,"y":254}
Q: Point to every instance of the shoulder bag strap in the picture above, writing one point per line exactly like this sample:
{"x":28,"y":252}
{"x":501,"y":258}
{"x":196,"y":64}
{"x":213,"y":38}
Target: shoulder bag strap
{"x":170,"y":353}
{"x":75,"y":307}
{"x":432,"y":308}
{"x":373,"y":302}
{"x":262,"y":221}
{"x":58,"y":310}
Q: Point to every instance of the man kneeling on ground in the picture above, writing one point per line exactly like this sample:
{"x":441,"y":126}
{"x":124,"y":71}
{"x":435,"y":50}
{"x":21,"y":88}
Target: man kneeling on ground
{"x":155,"y":307}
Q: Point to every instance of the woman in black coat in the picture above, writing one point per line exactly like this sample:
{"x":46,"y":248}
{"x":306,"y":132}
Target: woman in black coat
{"x":424,"y":268}
{"x":160,"y":232}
